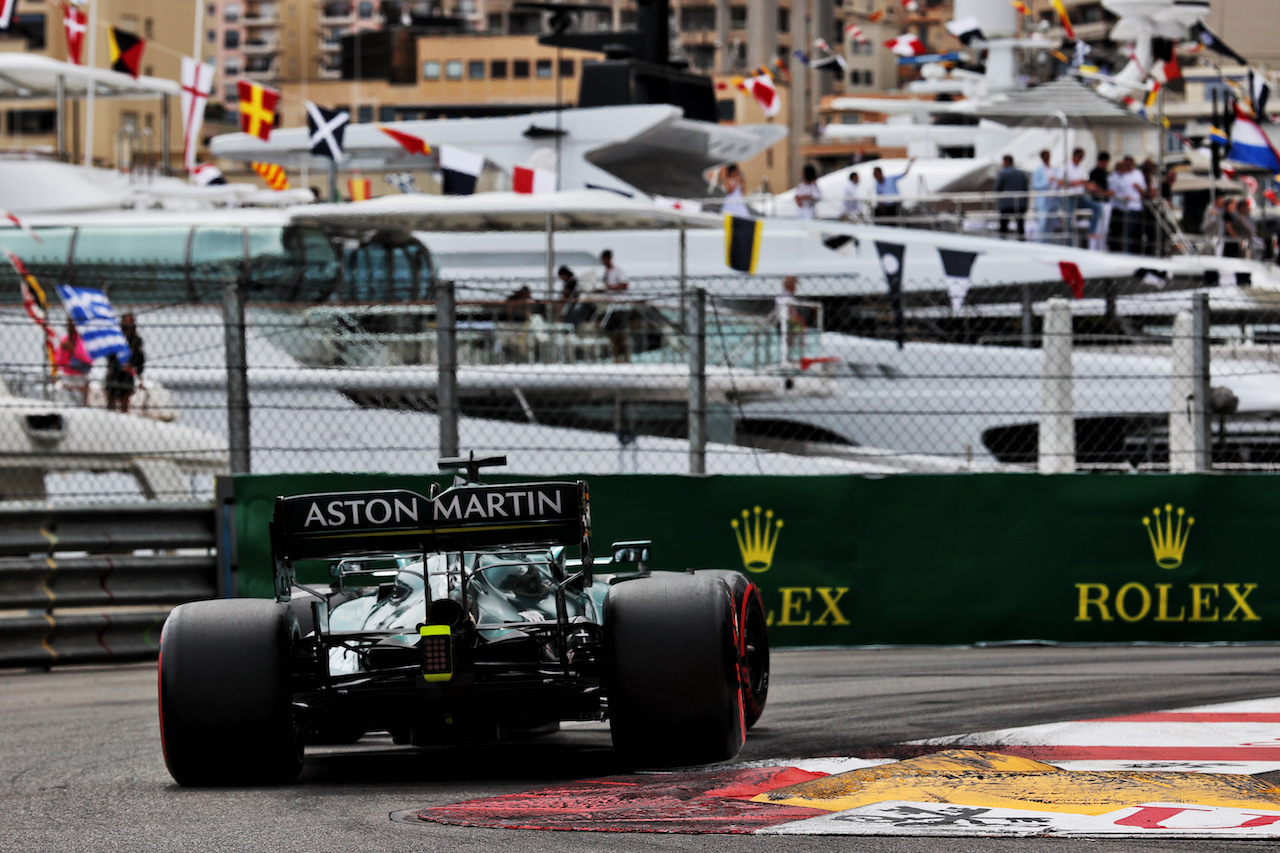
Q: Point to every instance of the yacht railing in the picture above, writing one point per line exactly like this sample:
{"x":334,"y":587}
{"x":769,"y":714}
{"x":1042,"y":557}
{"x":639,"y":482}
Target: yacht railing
{"x":978,"y":213}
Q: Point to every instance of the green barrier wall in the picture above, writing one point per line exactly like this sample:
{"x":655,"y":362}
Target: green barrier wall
{"x":930,"y":559}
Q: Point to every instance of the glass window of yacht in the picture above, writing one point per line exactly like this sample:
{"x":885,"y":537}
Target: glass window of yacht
{"x":216,"y":252}
{"x":431,"y":70}
{"x":498,"y":69}
{"x":475,"y":69}
{"x":453,"y":69}
{"x":45,"y":259}
{"x":544,"y":69}
{"x":520,"y":69}
{"x":135,"y":263}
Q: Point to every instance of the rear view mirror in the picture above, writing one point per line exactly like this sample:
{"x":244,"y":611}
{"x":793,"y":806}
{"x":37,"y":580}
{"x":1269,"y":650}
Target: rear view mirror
{"x":634,"y":551}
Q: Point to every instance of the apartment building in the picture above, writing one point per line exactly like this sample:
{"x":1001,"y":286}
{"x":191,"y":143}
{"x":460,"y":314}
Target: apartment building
{"x":127,"y":130}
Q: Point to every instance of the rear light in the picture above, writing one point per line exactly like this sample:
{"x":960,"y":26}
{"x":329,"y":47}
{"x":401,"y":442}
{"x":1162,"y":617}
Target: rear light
{"x":437,"y":652}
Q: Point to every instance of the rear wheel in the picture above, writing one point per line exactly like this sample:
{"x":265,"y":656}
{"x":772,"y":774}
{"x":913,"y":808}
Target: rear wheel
{"x":753,"y":642}
{"x":672,"y":670}
{"x":226,"y":715}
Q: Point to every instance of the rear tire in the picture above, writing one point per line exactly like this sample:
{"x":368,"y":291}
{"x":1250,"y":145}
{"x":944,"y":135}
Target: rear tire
{"x":226,"y":714}
{"x":672,"y":670}
{"x":753,"y":642}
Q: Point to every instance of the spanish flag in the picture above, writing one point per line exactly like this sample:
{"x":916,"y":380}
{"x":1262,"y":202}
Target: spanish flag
{"x":742,"y":242}
{"x":126,"y":52}
{"x":257,"y":109}
{"x":359,"y":189}
{"x":273,"y":174}
{"x":1066,"y":21}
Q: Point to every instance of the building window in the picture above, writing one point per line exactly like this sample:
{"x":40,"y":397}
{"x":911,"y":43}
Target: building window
{"x":230,"y":14}
{"x":737,"y":17}
{"x":232,"y":93}
{"x":32,"y":121}
{"x":566,"y":68}
{"x":431,"y":70}
{"x":520,"y":69}
{"x":387,"y":114}
{"x":232,"y":68}
{"x":543,"y":69}
{"x":475,"y":69}
{"x":366,"y":9}
{"x":364,"y":114}
{"x":453,"y":69}
{"x":784,"y":20}
{"x":148,"y":28}
{"x":211,"y":36}
{"x":498,"y":69}
{"x":231,"y":39}
{"x":726,"y":108}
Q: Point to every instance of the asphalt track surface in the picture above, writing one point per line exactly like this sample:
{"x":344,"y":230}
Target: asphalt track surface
{"x":81,"y":767}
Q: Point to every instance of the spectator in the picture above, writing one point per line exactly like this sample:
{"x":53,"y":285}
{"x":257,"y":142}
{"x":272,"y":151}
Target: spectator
{"x":888,"y":198}
{"x":72,"y":358}
{"x":574,"y":311}
{"x":1245,"y":229}
{"x":519,"y":305}
{"x":614,"y":278}
{"x":855,"y":203}
{"x":617,"y":320}
{"x":1128,"y":187}
{"x":1211,"y":226}
{"x":807,"y":194}
{"x":1099,"y":190}
{"x":1232,"y":237}
{"x":1075,"y":181}
{"x":124,"y":377}
{"x":1013,"y":180}
{"x":1043,"y":181}
{"x":735,"y":203}
{"x":1150,"y":198}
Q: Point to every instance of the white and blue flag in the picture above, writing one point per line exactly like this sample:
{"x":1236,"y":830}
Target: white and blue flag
{"x":96,"y":321}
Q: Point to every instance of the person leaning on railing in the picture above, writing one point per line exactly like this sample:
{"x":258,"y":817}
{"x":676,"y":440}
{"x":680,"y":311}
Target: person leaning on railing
{"x":1011,"y":179}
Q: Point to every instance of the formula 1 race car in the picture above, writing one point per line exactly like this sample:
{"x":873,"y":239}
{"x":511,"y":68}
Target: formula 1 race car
{"x":459,"y":616}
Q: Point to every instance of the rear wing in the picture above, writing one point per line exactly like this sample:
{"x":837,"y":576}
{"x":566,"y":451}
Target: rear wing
{"x":464,"y":517}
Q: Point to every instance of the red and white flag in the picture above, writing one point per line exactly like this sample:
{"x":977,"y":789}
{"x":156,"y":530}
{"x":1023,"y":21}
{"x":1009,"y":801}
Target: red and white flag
{"x":197,"y":83}
{"x":6,"y":13}
{"x":75,"y":23}
{"x":855,"y":32}
{"x":761,"y":88}
{"x":907,"y":45}
{"x":532,"y":181}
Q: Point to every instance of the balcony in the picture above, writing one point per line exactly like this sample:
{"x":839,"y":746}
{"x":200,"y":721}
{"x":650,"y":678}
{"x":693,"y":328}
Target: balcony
{"x":264,"y":72}
{"x":260,"y":47}
{"x":261,"y":15}
{"x":337,"y":13}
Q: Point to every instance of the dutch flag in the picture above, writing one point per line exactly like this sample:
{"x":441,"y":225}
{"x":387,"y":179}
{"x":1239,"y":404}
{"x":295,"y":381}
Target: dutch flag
{"x":1249,"y":144}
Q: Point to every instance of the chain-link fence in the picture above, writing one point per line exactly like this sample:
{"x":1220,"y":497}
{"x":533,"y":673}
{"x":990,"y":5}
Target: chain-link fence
{"x":699,"y":376}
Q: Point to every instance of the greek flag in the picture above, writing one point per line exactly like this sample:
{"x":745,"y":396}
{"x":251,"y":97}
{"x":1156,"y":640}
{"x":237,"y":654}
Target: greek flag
{"x":96,"y":321}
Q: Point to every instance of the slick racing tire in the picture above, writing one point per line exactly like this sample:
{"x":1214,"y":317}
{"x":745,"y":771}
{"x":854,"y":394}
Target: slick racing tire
{"x":226,"y":713}
{"x":753,"y":642}
{"x":671,"y":670}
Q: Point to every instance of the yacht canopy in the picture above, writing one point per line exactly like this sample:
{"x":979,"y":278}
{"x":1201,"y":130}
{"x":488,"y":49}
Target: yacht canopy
{"x":1061,"y":102}
{"x":26,"y":76}
{"x":573,"y":210}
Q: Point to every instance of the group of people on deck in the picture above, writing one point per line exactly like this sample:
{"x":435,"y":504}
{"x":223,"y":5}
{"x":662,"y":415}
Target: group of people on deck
{"x":1121,"y":202}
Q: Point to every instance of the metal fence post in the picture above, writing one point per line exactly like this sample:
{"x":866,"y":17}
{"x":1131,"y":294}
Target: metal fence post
{"x":1200,"y":420}
{"x":237,"y":375}
{"x":697,"y":331}
{"x":447,"y":349}
{"x":1028,"y":318}
{"x":1182,"y":384}
{"x":1057,"y":404}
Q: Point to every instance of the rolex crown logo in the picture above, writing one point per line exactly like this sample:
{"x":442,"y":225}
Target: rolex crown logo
{"x":1168,"y":538}
{"x":757,"y":539}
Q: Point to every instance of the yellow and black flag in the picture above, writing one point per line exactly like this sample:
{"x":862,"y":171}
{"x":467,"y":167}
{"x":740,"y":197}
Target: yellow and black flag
{"x":742,"y":242}
{"x":126,"y":52}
